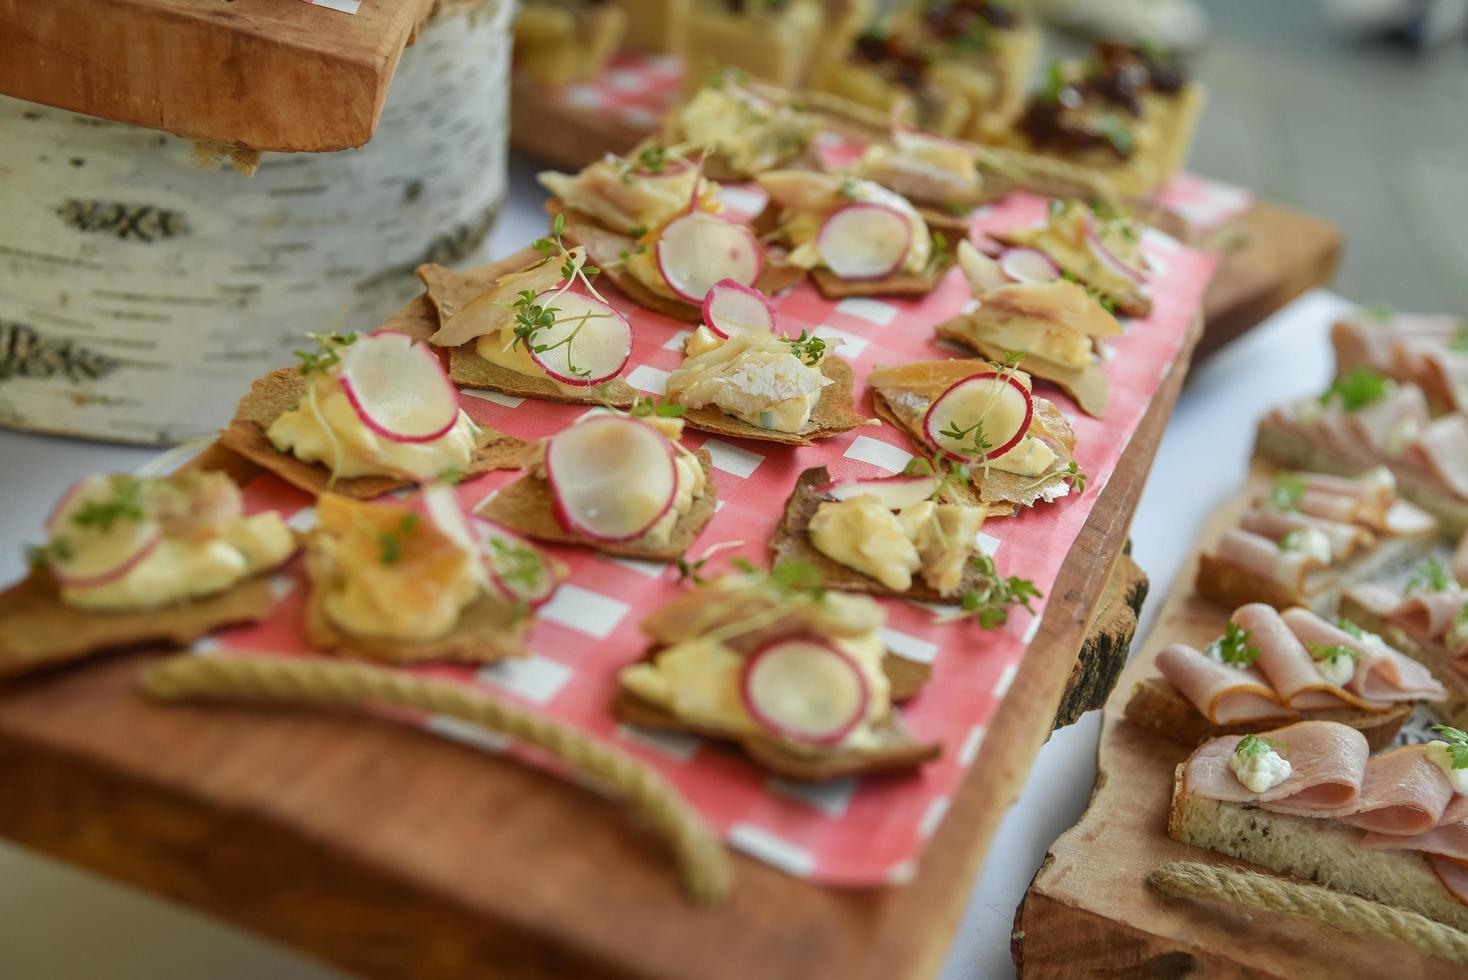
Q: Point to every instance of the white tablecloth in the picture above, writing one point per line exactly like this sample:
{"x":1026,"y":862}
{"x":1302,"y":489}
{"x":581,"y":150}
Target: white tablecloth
{"x":61,"y":924}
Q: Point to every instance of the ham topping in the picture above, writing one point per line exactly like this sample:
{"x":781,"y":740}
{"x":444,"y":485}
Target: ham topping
{"x":1382,"y":674}
{"x":1345,"y":539}
{"x":1404,"y":792}
{"x":1264,"y":558}
{"x":1442,"y":450}
{"x":1454,"y":876}
{"x":1225,"y":694}
{"x":1327,"y":760}
{"x":1450,"y":840}
{"x":1287,"y":664}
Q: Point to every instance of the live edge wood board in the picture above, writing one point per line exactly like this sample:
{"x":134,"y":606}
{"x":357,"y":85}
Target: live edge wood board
{"x":395,"y":854}
{"x":1089,"y":911}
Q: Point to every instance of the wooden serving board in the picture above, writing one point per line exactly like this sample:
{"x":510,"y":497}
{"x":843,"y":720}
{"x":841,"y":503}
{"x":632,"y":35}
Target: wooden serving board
{"x":395,"y":854}
{"x":262,"y":74}
{"x":1089,"y":910}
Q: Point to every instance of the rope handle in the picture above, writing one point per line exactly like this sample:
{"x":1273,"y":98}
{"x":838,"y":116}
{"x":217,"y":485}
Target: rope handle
{"x":1265,"y":893}
{"x":703,"y":863}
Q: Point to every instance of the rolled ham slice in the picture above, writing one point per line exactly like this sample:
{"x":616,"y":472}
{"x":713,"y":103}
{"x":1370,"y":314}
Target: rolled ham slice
{"x":1456,"y":812}
{"x":1449,"y":840}
{"x":1382,"y":674}
{"x":1287,"y":665}
{"x":1264,"y":558}
{"x":1345,"y":538}
{"x":1454,"y":876}
{"x":1441,"y":450}
{"x":1404,"y":793}
{"x":1444,"y":376}
{"x":1424,"y":615}
{"x":1327,"y":760}
{"x":1224,"y":694}
{"x":1392,"y":422}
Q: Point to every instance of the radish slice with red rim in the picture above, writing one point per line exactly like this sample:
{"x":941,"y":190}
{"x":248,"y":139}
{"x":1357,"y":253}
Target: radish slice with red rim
{"x":1110,"y":259}
{"x":612,"y":477}
{"x":398,"y":387}
{"x":589,"y":343}
{"x":95,"y":555}
{"x":732,"y":306}
{"x":518,"y":568}
{"x":1028,"y":265}
{"x":998,"y":402}
{"x":698,"y":249}
{"x":895,"y":492}
{"x":95,"y":485}
{"x":864,"y":240}
{"x":805,"y":689}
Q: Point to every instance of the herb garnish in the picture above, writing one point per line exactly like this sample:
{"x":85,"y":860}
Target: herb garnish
{"x":1289,"y":490}
{"x":1459,"y":343}
{"x":644,"y":406}
{"x":688,"y":571}
{"x":1429,"y":575}
{"x":532,"y":317}
{"x":391,"y":542}
{"x":1114,"y":131}
{"x":1457,"y":740}
{"x":790,"y":576}
{"x":450,"y":475}
{"x":809,"y":349}
{"x":938,"y":257}
{"x":328,"y":352}
{"x":1234,"y":646}
{"x":1252,"y":745}
{"x":990,"y":603}
{"x":1356,"y":389}
{"x":1331,"y":652}
{"x":948,"y":472}
{"x":126,"y":503}
{"x":517,"y":564}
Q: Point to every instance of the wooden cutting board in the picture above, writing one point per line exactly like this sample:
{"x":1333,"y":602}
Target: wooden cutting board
{"x":262,"y":74}
{"x":392,"y":853}
{"x":1089,"y":910}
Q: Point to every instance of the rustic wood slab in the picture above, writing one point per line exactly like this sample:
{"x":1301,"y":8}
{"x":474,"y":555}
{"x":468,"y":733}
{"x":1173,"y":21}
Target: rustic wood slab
{"x":1089,"y":910}
{"x":263,"y":74}
{"x":396,"y":854}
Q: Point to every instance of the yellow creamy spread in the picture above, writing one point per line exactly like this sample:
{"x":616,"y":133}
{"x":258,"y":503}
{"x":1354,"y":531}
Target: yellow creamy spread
{"x":802,"y":227}
{"x":1030,"y":457}
{"x":205,"y":543}
{"x":617,"y":195}
{"x":500,"y":348}
{"x":324,"y":428}
{"x":386,"y":572}
{"x":752,"y":376}
{"x":696,"y":676}
{"x":928,"y":537}
{"x":749,"y":132}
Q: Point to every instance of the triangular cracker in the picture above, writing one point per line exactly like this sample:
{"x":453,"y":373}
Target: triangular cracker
{"x":1088,"y":386}
{"x":834,"y":414}
{"x":279,"y":391}
{"x":528,"y":506}
{"x":791,"y":542}
{"x":38,"y":630}
{"x":467,"y":368}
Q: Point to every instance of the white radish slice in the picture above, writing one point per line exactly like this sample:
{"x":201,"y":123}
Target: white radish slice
{"x":1000,"y":402}
{"x":612,"y":477}
{"x":981,"y":271}
{"x":731,"y":306}
{"x":589,"y":343}
{"x":518,"y":568}
{"x":1028,"y":265}
{"x":698,"y":249}
{"x":94,"y":556}
{"x":895,"y":492}
{"x":398,"y":388}
{"x":864,"y":240}
{"x":95,"y":485}
{"x":1111,"y":260}
{"x":804,"y":688}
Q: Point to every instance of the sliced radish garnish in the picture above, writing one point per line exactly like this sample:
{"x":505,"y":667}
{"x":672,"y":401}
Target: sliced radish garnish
{"x":398,"y":387}
{"x":612,"y":477}
{"x":981,"y":271}
{"x":94,"y":555}
{"x":998,"y":401}
{"x":698,"y":249}
{"x":96,"y":485}
{"x":804,"y":688}
{"x":518,"y":568}
{"x":589,"y":342}
{"x":1110,"y":259}
{"x":864,"y":240}
{"x":895,"y":492}
{"x":441,"y":505}
{"x":1028,"y":265}
{"x":732,"y":306}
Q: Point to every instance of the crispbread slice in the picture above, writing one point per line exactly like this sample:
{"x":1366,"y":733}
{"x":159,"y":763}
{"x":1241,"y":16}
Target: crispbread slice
{"x":834,"y":413}
{"x":606,"y":249}
{"x":899,"y":750}
{"x":833,"y":286}
{"x":1134,"y":302}
{"x":279,"y":391}
{"x":450,"y":290}
{"x":466,"y":367}
{"x":38,"y":630}
{"x":1161,"y":708}
{"x":1088,"y":386}
{"x":791,"y":542}
{"x":487,"y":630}
{"x":1433,"y":656}
{"x":528,"y":506}
{"x":1324,"y":851}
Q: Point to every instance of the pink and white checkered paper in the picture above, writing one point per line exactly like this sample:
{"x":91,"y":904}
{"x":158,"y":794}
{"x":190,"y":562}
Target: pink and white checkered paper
{"x":848,"y":831}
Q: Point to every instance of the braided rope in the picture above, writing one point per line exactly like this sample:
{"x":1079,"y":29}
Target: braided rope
{"x":1264,"y":893}
{"x":706,"y":872}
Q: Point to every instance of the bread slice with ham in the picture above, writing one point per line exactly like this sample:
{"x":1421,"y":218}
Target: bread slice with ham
{"x":1302,"y":826}
{"x":1429,"y":627}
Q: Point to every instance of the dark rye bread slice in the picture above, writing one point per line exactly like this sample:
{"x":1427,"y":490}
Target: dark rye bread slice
{"x":833,"y":414}
{"x":606,"y":249}
{"x":791,"y":542}
{"x":528,"y":506}
{"x":1089,"y":386}
{"x":1433,"y":656}
{"x":898,"y":749}
{"x":1161,"y":709}
{"x":279,"y":391}
{"x":487,"y":630}
{"x":1326,"y":852}
{"x":39,"y":630}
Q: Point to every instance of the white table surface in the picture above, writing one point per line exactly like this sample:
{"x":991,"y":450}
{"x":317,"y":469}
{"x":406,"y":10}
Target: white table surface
{"x":59,"y":923}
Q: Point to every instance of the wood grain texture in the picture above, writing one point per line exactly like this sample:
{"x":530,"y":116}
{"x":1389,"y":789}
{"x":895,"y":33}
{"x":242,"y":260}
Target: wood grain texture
{"x":264,"y":74}
{"x":1089,"y":911}
{"x":394,"y":854}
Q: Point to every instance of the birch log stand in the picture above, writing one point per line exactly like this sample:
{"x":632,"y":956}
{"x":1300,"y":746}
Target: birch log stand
{"x":395,"y":854}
